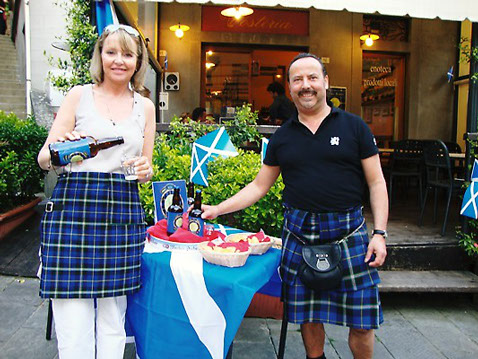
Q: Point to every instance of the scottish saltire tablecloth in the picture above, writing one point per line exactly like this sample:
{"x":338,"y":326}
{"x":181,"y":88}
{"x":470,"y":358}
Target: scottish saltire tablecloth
{"x":188,"y":308}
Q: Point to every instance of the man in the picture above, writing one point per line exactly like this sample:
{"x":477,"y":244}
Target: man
{"x":325,"y":156}
{"x":282,"y":108}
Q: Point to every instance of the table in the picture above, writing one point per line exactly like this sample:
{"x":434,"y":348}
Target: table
{"x":188,"y":308}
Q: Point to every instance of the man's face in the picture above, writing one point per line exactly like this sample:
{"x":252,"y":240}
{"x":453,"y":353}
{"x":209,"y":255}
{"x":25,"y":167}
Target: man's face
{"x":308,"y":85}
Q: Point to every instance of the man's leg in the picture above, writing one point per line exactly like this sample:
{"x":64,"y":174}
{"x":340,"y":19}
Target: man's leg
{"x":361,"y":343}
{"x":313,"y":335}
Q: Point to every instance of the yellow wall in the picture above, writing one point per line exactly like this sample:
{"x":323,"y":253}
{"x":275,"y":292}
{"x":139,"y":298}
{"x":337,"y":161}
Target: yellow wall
{"x":462,"y":88}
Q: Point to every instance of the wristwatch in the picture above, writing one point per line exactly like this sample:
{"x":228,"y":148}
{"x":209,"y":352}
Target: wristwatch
{"x":383,"y":233}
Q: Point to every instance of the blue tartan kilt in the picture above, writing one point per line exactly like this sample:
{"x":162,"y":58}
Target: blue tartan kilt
{"x":93,"y":238}
{"x":356,"y":302}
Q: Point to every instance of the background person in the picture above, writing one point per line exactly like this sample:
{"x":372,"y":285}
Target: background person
{"x":282,"y":108}
{"x":92,"y":239}
{"x":199,"y":114}
{"x":325,"y":156}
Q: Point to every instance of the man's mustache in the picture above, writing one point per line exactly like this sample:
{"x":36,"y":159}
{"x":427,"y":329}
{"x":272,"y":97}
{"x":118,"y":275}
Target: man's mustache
{"x":302,"y":92}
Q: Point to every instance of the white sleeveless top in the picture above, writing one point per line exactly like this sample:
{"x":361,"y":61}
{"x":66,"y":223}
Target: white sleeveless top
{"x":92,"y":123}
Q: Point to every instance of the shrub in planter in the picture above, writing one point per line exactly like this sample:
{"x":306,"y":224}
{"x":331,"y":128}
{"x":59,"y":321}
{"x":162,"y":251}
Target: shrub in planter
{"x":228,"y":176}
{"x":20,"y":175}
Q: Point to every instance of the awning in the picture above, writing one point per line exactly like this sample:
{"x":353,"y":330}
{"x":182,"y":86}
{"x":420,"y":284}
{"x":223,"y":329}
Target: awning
{"x":456,"y":10}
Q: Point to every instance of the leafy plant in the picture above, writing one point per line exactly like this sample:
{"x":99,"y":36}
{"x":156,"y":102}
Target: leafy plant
{"x":81,"y":38}
{"x":183,"y":132}
{"x":468,"y":53}
{"x":20,"y":175}
{"x":243,"y":128}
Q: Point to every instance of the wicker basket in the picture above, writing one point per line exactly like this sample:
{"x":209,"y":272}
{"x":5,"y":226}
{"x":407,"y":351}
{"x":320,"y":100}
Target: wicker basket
{"x":256,"y":248}
{"x":223,"y":259}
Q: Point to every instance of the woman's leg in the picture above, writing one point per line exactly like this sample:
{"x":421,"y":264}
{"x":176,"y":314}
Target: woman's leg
{"x":75,"y":328}
{"x":110,"y":333}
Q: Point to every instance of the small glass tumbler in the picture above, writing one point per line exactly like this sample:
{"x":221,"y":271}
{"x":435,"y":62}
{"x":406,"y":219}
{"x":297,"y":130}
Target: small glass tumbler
{"x":128,"y":165}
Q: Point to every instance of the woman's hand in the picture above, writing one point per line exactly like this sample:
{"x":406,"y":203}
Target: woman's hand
{"x":71,"y":136}
{"x":143,"y":169}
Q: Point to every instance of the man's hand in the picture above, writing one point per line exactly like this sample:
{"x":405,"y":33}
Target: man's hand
{"x":376,"y":246}
{"x":209,"y":212}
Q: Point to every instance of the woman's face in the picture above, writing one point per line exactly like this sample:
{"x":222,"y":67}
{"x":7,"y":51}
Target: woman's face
{"x":119,"y":64}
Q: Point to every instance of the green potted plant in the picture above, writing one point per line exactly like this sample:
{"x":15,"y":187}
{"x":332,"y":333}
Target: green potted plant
{"x":20,"y":176}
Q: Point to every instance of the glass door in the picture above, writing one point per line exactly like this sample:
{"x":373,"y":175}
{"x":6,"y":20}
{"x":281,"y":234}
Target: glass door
{"x":383,"y":83}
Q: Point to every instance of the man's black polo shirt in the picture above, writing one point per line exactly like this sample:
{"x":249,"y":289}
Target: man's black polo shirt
{"x":322,"y":172}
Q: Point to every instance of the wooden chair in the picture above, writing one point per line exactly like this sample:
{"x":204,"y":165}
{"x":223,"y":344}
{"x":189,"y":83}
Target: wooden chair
{"x":438,"y":175}
{"x":406,"y":162}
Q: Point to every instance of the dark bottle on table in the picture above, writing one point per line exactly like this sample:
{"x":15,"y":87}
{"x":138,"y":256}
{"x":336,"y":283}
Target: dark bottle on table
{"x":175,"y":213}
{"x":196,"y":223}
{"x":66,"y":152}
{"x":190,"y":193}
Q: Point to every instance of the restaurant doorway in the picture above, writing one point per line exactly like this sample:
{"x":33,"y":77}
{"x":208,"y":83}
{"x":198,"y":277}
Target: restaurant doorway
{"x":232,"y":76}
{"x":383,"y":84}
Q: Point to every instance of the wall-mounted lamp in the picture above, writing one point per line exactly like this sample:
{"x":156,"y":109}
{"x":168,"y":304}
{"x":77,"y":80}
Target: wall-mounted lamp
{"x":210,"y":65}
{"x":237,"y":11}
{"x":179,"y":30}
{"x":370,"y":35}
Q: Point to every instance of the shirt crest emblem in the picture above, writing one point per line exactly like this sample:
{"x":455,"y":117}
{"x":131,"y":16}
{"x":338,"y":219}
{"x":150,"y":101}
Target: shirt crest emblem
{"x":334,"y":141}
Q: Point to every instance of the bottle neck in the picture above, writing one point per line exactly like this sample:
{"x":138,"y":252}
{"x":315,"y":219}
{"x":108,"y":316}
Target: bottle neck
{"x":109,"y":142}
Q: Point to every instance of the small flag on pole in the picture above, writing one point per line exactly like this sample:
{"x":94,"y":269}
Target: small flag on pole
{"x":449,"y":74}
{"x":205,"y":149}
{"x":469,"y":206}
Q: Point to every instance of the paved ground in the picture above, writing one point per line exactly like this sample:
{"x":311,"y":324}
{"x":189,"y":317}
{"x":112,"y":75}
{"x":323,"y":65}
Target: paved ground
{"x":417,"y":326}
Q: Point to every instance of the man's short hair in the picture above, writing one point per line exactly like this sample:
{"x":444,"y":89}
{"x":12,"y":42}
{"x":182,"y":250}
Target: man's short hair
{"x":304,"y":55}
{"x":197,"y":112}
{"x":276,"y":87}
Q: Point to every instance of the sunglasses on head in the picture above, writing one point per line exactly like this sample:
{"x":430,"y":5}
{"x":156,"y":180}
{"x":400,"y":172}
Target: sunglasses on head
{"x":130,"y":30}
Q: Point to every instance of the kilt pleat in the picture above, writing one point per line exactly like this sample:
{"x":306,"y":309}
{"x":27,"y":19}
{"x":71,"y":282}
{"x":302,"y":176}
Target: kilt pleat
{"x":91,"y":244}
{"x":356,"y":303}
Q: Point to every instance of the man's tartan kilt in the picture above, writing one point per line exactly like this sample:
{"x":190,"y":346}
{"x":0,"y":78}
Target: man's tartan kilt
{"x":92,"y":239}
{"x":356,"y":303}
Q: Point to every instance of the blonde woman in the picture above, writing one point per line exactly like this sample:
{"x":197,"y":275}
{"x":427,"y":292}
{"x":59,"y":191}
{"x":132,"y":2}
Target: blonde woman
{"x":92,"y":234}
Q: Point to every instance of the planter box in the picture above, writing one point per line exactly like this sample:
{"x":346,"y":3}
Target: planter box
{"x":265,"y":306}
{"x":12,"y":219}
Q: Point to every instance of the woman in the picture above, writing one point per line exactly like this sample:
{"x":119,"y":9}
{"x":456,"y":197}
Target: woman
{"x":92,"y":235}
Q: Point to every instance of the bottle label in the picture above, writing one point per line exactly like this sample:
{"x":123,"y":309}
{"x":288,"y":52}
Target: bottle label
{"x":196,"y":226}
{"x":175,"y":221}
{"x":72,"y":151}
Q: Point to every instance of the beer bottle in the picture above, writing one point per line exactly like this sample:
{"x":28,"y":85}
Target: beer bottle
{"x":196,"y":223}
{"x":175,"y":213}
{"x":63,"y":153}
{"x":190,"y":193}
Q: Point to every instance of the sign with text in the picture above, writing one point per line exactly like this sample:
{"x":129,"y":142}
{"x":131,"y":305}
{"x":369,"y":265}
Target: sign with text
{"x":263,"y":21}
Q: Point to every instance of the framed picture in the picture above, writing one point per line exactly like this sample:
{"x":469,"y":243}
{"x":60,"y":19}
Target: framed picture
{"x":337,"y":96}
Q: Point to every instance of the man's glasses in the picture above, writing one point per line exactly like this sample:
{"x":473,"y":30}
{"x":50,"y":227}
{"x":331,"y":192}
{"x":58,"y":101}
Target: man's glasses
{"x":130,"y":30}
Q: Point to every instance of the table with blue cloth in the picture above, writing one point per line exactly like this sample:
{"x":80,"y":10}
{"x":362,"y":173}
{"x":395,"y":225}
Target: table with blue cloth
{"x":188,"y":308}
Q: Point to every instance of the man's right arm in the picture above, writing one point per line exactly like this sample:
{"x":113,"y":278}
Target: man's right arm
{"x":247,"y":196}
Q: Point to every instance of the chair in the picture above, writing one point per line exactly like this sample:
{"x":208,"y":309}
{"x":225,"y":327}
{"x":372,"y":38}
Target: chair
{"x":438,"y":175}
{"x":457,"y":168}
{"x":406,"y":162}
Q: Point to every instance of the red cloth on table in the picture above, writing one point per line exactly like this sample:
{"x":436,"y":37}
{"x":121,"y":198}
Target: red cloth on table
{"x":182,"y":235}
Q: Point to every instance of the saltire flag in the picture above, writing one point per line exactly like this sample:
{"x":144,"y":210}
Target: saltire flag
{"x":264,"y":143}
{"x":469,"y":204}
{"x":449,"y":74}
{"x":105,"y":15}
{"x":188,"y":308}
{"x":205,"y":149}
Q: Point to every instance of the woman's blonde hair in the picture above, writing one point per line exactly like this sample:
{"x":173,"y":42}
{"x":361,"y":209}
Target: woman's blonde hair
{"x":128,"y":43}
